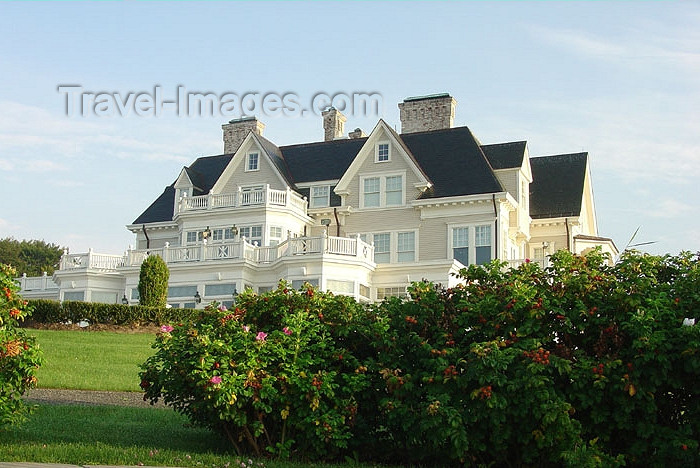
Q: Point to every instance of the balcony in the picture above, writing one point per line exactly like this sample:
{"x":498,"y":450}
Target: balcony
{"x":341,"y":247}
{"x":244,"y":198}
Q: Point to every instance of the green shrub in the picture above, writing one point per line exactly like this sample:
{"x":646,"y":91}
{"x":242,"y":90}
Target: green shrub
{"x":47,"y":311}
{"x":275,"y":374}
{"x":153,"y":282}
{"x":580,"y":364}
{"x":19,"y":355}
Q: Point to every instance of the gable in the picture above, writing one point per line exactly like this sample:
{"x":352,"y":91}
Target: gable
{"x":557,"y":186}
{"x":400,"y":159}
{"x":236,"y":174}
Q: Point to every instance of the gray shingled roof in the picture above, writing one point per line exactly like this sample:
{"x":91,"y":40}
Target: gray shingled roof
{"x":452,"y":159}
{"x":557,"y":185}
{"x":505,"y":155}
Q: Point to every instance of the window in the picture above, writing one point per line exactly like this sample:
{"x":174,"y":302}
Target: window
{"x":395,"y":291}
{"x":228,"y":233}
{"x":253,"y":159}
{"x":364,"y":290}
{"x":523,"y":195}
{"x":217,"y":234}
{"x":194,"y":236}
{"x":371,"y":192}
{"x":252,"y":234}
{"x":382,"y":248}
{"x":219,"y":289}
{"x":182,"y":291}
{"x":382,"y":152}
{"x":297,"y":284}
{"x":460,"y":245}
{"x":74,"y":296}
{"x":275,"y":235}
{"x":340,"y":286}
{"x":472,"y":242}
{"x":135,"y":294}
{"x":482,"y":244}
{"x":320,"y":196}
{"x":382,"y":191}
{"x":394,"y":190}
{"x":406,"y":246}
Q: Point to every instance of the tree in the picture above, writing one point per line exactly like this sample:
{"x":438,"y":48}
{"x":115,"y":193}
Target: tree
{"x":153,"y":282}
{"x":32,"y":257}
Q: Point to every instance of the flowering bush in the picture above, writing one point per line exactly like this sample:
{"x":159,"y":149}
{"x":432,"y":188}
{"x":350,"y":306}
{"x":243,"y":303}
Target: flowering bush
{"x":277,"y":373}
{"x":19,"y":354}
{"x":580,"y":364}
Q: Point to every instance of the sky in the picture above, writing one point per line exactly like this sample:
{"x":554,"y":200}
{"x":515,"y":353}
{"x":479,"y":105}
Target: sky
{"x":619,"y":80}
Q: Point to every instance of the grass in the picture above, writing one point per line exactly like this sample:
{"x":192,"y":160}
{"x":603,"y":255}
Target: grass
{"x":92,"y":360}
{"x":110,"y":435}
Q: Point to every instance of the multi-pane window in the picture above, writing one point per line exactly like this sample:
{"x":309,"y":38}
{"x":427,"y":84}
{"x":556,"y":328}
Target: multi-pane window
{"x":275,"y":235}
{"x":396,"y":291}
{"x":382,"y":248}
{"x":253,"y":160}
{"x":383,"y":152}
{"x":394,"y":190}
{"x":406,"y":246}
{"x":371,"y":192}
{"x":460,"y":244}
{"x":194,"y":236}
{"x":382,"y":191}
{"x":482,"y":244}
{"x":472,"y":242}
{"x":320,"y":196}
{"x":217,"y":234}
{"x":252,"y":234}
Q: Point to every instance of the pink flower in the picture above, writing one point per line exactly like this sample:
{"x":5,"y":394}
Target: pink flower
{"x":261,"y":336}
{"x":287,"y":331}
{"x":215,"y":380}
{"x":246,"y":328}
{"x":166,"y":329}
{"x":222,"y":308}
{"x":527,"y":260}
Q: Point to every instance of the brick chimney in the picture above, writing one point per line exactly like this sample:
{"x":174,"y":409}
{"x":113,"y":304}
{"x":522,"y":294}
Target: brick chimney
{"x":357,"y":133}
{"x":237,"y":129}
{"x":425,"y":113}
{"x":333,"y":124}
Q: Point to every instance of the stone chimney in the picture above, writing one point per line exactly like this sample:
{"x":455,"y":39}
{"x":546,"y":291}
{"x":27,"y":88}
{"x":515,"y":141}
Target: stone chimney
{"x":425,"y":113}
{"x":237,"y":129}
{"x":357,"y":133}
{"x":333,"y":124}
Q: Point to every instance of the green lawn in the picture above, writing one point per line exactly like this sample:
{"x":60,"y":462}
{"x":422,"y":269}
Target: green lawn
{"x":92,"y":360}
{"x":111,"y":435}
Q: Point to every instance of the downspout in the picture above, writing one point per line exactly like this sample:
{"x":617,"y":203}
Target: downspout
{"x":568,"y":237}
{"x":337,"y":223}
{"x":148,"y":241}
{"x":495,"y":213}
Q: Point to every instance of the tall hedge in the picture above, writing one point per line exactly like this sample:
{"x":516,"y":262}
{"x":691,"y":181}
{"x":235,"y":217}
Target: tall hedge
{"x":153,"y":282}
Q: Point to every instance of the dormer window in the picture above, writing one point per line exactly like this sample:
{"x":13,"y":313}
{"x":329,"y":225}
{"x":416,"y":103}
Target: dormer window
{"x":382,"y":154}
{"x":253,"y":162}
{"x":320,"y":196}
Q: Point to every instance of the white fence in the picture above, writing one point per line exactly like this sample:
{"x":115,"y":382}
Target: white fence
{"x":264,"y":197}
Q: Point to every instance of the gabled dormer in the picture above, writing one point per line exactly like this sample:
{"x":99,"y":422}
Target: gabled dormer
{"x":256,"y":162}
{"x":384,"y":174}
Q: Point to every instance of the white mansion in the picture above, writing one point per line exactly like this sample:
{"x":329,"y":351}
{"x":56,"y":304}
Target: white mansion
{"x":362,"y":215}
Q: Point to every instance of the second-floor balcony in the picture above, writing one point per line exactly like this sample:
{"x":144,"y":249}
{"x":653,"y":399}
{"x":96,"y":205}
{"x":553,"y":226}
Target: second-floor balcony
{"x":298,"y":247}
{"x":263,"y":196}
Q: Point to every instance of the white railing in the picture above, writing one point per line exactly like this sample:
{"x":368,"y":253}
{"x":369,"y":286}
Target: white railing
{"x":91,"y":260}
{"x":36,"y":283}
{"x":242,"y":249}
{"x":265,"y":196}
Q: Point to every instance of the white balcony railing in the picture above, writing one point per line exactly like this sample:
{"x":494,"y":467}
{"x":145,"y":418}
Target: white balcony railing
{"x":265,"y":196}
{"x":91,"y":260}
{"x":36,"y":283}
{"x":242,"y":249}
